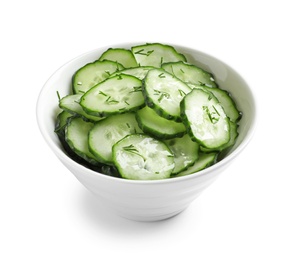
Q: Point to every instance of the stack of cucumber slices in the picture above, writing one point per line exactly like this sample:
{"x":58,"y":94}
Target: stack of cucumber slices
{"x":145,"y":113}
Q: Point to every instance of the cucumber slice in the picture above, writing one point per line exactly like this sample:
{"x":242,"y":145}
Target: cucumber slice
{"x":233,"y":136}
{"x":227,"y":102}
{"x":61,"y":122}
{"x":76,"y":136}
{"x":119,"y":94}
{"x":63,"y":119}
{"x":138,"y":72}
{"x":119,"y":55}
{"x":93,"y":73}
{"x":185,"y":151}
{"x":205,"y":119}
{"x":154,"y":54}
{"x":163,"y":92}
{"x":151,"y":123}
{"x":204,"y":161}
{"x":190,"y":74}
{"x":70,"y":103}
{"x":141,"y":157}
{"x":107,"y":132}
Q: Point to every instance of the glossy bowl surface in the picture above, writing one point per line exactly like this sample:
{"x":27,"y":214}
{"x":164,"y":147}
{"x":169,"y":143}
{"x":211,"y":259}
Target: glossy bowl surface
{"x":147,"y":200}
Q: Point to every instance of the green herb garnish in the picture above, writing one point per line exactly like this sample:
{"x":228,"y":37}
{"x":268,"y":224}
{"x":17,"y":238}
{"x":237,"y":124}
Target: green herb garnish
{"x":136,"y":89}
{"x":213,"y":116}
{"x":131,"y":149}
{"x":102,"y":93}
{"x":141,"y":52}
{"x":162,"y":94}
{"x":182,"y":93}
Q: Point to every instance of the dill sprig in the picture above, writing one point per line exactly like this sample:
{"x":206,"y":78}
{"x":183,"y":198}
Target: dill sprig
{"x":107,"y":72}
{"x":162,"y":94}
{"x":131,"y":149}
{"x":214,"y":116}
{"x":142,"y":52}
{"x":102,"y":93}
{"x":182,"y":93}
{"x":136,"y":89}
{"x":58,"y":95}
{"x":110,"y":100}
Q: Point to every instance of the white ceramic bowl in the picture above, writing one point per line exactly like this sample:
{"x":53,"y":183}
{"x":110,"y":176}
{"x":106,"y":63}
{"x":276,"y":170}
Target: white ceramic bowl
{"x":146,"y":200}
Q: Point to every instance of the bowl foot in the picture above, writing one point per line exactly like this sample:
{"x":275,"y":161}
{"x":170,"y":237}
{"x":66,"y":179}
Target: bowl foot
{"x":151,"y":218}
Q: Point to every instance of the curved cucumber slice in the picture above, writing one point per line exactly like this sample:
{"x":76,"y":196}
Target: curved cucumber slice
{"x":107,"y":132}
{"x":141,"y":157}
{"x":233,"y":136}
{"x":154,"y":54}
{"x":71,"y":104}
{"x":63,"y":119}
{"x":138,"y":72}
{"x":205,"y":119}
{"x":93,"y":73}
{"x":119,"y":94}
{"x":205,"y":160}
{"x":163,"y":92}
{"x":61,"y":122}
{"x":76,"y":136}
{"x":151,"y":123}
{"x":227,"y":103}
{"x":185,"y":151}
{"x":190,"y":74}
{"x":119,"y":55}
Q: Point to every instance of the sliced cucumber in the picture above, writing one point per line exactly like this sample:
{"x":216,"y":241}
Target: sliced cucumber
{"x":163,"y":92}
{"x":93,"y":73}
{"x":61,"y":122}
{"x":190,"y":74}
{"x":227,"y":102}
{"x":185,"y":151}
{"x":205,"y":119}
{"x":225,"y":99}
{"x":63,"y":119}
{"x":141,"y":157}
{"x":119,"y":94}
{"x":151,"y":123}
{"x":233,"y":136}
{"x":205,"y":160}
{"x":119,"y":55}
{"x":76,"y":136}
{"x":107,"y":132}
{"x":139,"y":72}
{"x":154,"y":54}
{"x":70,"y":103}
{"x":146,"y":113}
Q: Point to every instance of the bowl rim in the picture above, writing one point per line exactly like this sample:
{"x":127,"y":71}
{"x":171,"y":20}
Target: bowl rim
{"x":64,"y":157}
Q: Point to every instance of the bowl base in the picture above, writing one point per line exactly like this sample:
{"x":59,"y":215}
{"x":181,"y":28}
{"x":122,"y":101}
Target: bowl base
{"x":155,"y":218}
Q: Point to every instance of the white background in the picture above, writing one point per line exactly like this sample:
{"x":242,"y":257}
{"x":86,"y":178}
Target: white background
{"x":47,"y":214}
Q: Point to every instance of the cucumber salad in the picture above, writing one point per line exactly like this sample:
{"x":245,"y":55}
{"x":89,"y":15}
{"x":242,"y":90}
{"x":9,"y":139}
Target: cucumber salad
{"x":145,"y":113}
